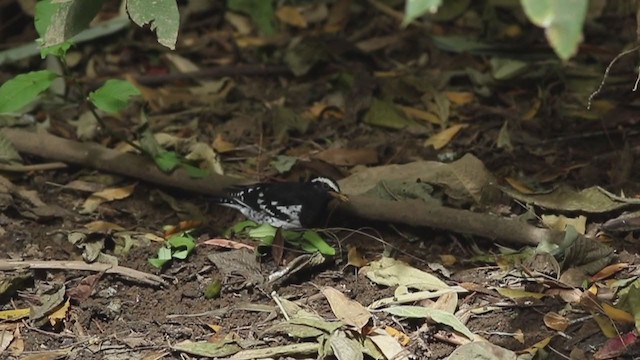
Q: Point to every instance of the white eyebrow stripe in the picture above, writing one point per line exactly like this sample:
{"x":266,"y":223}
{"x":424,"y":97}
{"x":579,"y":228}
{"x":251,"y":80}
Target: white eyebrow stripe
{"x":332,"y":184}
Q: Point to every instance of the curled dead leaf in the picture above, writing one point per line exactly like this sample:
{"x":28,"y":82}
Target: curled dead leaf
{"x":441,"y":139}
{"x":555,"y":321}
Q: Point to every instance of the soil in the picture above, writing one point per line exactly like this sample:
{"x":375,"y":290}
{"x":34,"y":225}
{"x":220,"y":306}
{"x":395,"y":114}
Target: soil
{"x":124,"y":318}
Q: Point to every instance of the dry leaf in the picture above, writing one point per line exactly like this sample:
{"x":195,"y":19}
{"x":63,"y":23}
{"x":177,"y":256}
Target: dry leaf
{"x":388,"y":345}
{"x":448,"y":260}
{"x":537,"y":346}
{"x":533,"y":110}
{"x":560,"y":222}
{"x":106,"y":195}
{"x":402,"y":338}
{"x":355,"y":258}
{"x":441,"y":139}
{"x":518,"y":294}
{"x":418,"y":114}
{"x":55,"y":319}
{"x":518,"y":185}
{"x":555,"y":321}
{"x":228,"y":244}
{"x":221,"y":145}
{"x":606,"y":326}
{"x":14,"y":314}
{"x":459,"y":97}
{"x":608,"y":271}
{"x":291,"y":16}
{"x":102,"y":226}
{"x":571,"y":296}
{"x":617,"y":314}
{"x":346,"y":310}
{"x":6,"y":337}
{"x":519,"y":336}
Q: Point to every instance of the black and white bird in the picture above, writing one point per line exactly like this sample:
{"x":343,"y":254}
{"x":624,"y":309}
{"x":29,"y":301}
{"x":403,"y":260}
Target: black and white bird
{"x":286,"y":205}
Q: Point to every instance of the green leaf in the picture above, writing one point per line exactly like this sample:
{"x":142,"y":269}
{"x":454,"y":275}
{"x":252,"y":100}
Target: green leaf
{"x":59,"y":50}
{"x":562,"y":21}
{"x":164,"y":253}
{"x":23,"y":89}
{"x":182,"y":241}
{"x":180,"y":254}
{"x":68,"y":18}
{"x":413,"y":9}
{"x":308,"y":247}
{"x":385,"y":113}
{"x":314,"y":239}
{"x":161,"y":15}
{"x":240,"y":227}
{"x":261,"y":12}
{"x":262,"y":231}
{"x":291,"y":235}
{"x":194,"y":171}
{"x":158,"y":263}
{"x":213,"y":289}
{"x":439,"y":316}
{"x":114,"y":95}
{"x":167,"y":161}
{"x":45,"y":10}
{"x":164,"y":256}
{"x":284,"y":163}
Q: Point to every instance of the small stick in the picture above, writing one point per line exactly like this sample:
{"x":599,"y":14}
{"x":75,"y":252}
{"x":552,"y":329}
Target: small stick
{"x":34,"y":167}
{"x":146,"y":278}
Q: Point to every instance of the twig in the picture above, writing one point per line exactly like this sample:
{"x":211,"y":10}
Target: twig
{"x":606,"y":74}
{"x":35,"y":167}
{"x":146,"y":278}
{"x":215,"y":72}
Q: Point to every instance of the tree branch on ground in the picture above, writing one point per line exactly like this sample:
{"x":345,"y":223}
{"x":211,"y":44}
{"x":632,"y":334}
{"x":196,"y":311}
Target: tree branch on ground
{"x":410,"y":212}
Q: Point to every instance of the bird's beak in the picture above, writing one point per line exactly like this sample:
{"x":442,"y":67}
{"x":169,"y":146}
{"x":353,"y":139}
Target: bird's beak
{"x":339,"y":196}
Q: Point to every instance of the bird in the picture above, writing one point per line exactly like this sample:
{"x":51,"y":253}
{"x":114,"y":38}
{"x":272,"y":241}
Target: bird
{"x":286,"y":205}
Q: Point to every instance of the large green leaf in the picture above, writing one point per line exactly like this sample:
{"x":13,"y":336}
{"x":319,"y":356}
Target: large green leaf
{"x":66,"y":19}
{"x":23,"y":89}
{"x":161,"y":15}
{"x":562,"y":21}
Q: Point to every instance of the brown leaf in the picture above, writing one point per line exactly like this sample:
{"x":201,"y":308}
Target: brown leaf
{"x":348,"y":157}
{"x":346,"y":310}
{"x":355,"y":258}
{"x":83,"y":290}
{"x":277,"y":247}
{"x":441,"y":139}
{"x":106,"y":195}
{"x":229,"y":244}
{"x":291,"y":16}
{"x":102,"y":226}
{"x":608,"y":271}
{"x":555,"y":321}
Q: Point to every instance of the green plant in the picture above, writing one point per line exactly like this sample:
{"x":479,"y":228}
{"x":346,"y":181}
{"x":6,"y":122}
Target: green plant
{"x":178,"y":246}
{"x":307,"y":240}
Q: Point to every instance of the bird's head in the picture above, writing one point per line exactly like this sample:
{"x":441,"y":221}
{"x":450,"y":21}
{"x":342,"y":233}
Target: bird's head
{"x":330,"y":186}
